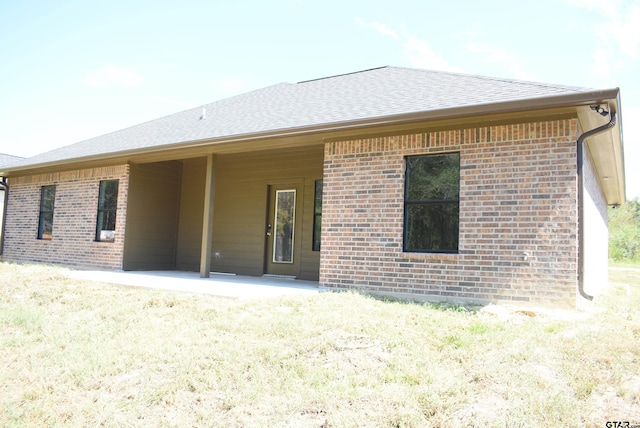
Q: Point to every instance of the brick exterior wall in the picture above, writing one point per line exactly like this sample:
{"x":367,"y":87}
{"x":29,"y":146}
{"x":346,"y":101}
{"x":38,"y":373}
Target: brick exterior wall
{"x":518,"y":195}
{"x":74,"y":219}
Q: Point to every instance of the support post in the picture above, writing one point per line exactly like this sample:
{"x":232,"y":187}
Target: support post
{"x":207,"y":218}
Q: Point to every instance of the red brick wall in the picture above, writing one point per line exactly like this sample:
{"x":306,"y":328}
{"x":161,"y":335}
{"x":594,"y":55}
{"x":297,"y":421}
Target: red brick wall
{"x":74,"y":222}
{"x":517,"y":195}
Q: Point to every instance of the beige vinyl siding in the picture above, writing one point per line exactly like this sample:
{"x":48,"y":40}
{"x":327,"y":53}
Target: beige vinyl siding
{"x":241,"y":207}
{"x":152,"y":216}
{"x":310,"y":260}
{"x":191,"y":211}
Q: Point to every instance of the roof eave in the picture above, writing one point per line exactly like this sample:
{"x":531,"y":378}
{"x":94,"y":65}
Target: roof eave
{"x":607,"y":151}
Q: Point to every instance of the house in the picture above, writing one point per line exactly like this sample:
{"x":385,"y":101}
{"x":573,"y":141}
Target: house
{"x":405,"y":182}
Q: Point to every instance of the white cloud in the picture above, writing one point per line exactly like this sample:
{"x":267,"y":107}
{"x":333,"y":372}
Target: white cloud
{"x":607,"y":7}
{"x":421,"y":55}
{"x":603,"y":65}
{"x":112,"y":75}
{"x":618,"y":30}
{"x":380,"y":28}
{"x":418,"y":52}
{"x":497,"y":55}
{"x":600,"y":65}
{"x":625,"y":32}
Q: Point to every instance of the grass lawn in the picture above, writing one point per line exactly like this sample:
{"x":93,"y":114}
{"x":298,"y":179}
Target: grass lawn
{"x":625,"y":264}
{"x":78,"y":353}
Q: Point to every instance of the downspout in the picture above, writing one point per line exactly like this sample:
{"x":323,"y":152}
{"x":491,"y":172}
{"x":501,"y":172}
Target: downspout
{"x":580,"y":161}
{"x":5,"y":186}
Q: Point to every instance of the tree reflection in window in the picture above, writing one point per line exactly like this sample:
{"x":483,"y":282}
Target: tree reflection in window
{"x":284,"y":226}
{"x":107,"y":208}
{"x":45,"y":223}
{"x":431,"y":212}
{"x":317,"y":216}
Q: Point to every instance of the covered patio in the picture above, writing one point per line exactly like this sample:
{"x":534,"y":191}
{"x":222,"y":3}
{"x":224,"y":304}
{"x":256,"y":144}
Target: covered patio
{"x":222,"y":285}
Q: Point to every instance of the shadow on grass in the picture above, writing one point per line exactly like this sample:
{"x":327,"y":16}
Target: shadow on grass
{"x":436,"y":305}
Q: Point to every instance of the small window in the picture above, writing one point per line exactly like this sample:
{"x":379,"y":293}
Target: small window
{"x":317,"y":216}
{"x":431,"y":203}
{"x":107,"y":207}
{"x":45,"y":223}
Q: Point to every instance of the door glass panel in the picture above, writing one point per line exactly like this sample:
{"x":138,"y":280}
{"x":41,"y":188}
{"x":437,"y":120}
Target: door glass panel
{"x":285,"y":211}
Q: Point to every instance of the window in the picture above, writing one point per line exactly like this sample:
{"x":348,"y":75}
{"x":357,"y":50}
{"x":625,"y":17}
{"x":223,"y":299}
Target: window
{"x":107,"y":207}
{"x":317,"y":216}
{"x":431,"y":203}
{"x":45,"y":223}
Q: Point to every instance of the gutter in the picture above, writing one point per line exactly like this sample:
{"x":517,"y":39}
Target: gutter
{"x":580,"y":162}
{"x":5,"y":186}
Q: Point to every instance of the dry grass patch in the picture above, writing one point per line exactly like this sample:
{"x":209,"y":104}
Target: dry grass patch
{"x":77,"y":353}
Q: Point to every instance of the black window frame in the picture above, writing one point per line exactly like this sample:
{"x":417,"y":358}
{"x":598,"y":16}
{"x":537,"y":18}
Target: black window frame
{"x":106,"y":214}
{"x":46,"y":212}
{"x":440,"y":204}
{"x":317,"y":215}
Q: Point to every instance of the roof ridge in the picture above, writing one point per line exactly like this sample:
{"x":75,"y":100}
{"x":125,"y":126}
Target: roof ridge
{"x":344,"y":74}
{"x":459,"y":74}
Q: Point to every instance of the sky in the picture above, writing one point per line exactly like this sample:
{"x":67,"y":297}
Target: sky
{"x":73,"y":70}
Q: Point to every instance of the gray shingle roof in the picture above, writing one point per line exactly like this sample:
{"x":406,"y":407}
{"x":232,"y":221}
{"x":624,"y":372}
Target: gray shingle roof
{"x":6,"y":160}
{"x":362,"y":95}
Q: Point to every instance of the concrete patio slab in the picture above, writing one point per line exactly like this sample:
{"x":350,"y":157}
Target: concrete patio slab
{"x":224,"y":285}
